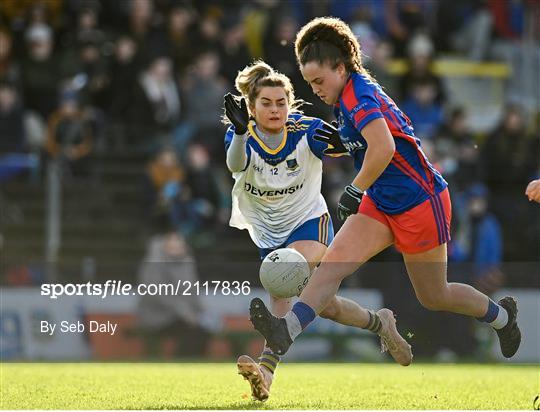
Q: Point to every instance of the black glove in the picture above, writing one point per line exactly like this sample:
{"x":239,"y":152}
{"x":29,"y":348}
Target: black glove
{"x":349,"y":202}
{"x":237,"y":114}
{"x":329,"y":134}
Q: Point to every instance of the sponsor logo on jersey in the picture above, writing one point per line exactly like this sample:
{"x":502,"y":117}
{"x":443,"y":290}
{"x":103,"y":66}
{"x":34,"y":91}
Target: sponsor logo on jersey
{"x":292,"y":164}
{"x":248,"y":187}
{"x":352,"y":146}
{"x":257,"y":168}
{"x":357,"y":108}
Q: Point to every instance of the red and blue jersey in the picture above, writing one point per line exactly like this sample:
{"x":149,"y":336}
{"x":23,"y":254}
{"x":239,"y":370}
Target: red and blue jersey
{"x":409,"y":179}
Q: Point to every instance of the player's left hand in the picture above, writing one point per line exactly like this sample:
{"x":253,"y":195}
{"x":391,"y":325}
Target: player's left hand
{"x":329,"y":134}
{"x":349,"y":202}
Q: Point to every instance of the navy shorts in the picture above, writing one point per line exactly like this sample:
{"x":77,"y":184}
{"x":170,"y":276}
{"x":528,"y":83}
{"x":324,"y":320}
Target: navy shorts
{"x":319,"y":229}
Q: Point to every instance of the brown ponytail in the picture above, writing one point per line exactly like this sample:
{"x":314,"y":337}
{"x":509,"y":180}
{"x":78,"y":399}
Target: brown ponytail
{"x":258,"y":75}
{"x":329,"y":40}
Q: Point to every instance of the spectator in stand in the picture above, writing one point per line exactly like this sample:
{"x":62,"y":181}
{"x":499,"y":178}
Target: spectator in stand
{"x":156,"y":105}
{"x":86,"y":30}
{"x":279,"y":46}
{"x":404,"y":18}
{"x":166,"y":195}
{"x":140,"y":26}
{"x":9,"y":67}
{"x":378,"y":65}
{"x":508,"y":18}
{"x":210,"y":32}
{"x":464,"y":26}
{"x":70,"y":136}
{"x":82,"y":55}
{"x":509,"y":158}
{"x":305,"y":11}
{"x":18,"y":16}
{"x":169,"y":260}
{"x":12,"y":138}
{"x":93,"y":69}
{"x":514,"y":40}
{"x":362,"y":27}
{"x":423,"y":109}
{"x":458,"y":151}
{"x":40,"y":72}
{"x":420,"y":68}
{"x":511,"y":147}
{"x":207,"y":200}
{"x":203,"y":90}
{"x":123,"y":72}
{"x":178,"y":39}
{"x":234,"y":50}
{"x":257,"y":21}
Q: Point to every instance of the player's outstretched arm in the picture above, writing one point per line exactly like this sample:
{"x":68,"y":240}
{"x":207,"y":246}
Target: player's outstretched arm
{"x":239,"y":117}
{"x":236,"y":154}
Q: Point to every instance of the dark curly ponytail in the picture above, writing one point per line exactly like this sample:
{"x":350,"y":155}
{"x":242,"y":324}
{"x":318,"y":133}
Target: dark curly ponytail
{"x":329,"y":39}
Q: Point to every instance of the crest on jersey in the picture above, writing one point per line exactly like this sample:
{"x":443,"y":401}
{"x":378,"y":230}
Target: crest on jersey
{"x":292,"y":164}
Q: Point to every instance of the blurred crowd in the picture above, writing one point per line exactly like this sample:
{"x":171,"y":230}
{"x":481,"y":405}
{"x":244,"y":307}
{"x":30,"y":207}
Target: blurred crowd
{"x":84,"y":77}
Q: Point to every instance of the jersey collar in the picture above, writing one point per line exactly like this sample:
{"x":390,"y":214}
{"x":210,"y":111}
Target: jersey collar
{"x":262,"y":144}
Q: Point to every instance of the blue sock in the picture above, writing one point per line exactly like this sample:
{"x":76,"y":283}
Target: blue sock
{"x":492,"y":312}
{"x":304,"y":313}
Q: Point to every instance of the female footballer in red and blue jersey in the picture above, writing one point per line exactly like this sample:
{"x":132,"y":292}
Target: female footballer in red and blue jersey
{"x":397,"y":197}
{"x":410,"y":195}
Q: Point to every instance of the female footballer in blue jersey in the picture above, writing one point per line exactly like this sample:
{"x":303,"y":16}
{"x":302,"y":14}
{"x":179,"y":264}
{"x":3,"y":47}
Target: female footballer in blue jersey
{"x":277,"y":167}
{"x":397,"y":197}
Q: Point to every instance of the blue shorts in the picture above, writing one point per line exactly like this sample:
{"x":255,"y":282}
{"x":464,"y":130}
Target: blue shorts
{"x":319,"y":229}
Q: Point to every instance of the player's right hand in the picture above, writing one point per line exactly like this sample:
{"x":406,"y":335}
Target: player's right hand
{"x":237,"y":114}
{"x":349,"y":202}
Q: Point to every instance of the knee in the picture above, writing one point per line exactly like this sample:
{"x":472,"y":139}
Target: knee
{"x":433,"y":301}
{"x":332,"y":310}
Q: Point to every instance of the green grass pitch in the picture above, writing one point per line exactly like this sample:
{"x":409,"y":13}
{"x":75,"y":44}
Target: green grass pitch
{"x":298,"y":386}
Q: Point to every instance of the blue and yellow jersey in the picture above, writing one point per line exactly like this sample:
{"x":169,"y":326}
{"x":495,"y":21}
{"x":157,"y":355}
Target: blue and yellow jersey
{"x":279,"y":189}
{"x":296,"y":127}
